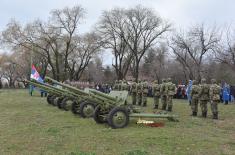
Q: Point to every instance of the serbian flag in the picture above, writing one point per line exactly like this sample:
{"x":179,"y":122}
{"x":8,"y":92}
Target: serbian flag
{"x":35,"y":75}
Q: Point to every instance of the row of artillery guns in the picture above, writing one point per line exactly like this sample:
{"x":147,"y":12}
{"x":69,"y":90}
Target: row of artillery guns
{"x":111,"y":108}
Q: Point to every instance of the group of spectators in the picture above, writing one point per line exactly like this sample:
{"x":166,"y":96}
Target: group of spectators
{"x":105,"y":88}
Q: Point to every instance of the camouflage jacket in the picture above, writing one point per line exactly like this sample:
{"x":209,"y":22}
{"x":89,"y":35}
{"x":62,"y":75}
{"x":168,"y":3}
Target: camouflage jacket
{"x":204,"y":92}
{"x":156,"y":89}
{"x":115,"y":87}
{"x":134,"y":87}
{"x":195,"y":92}
{"x":163,"y":89}
{"x":215,"y":92}
{"x":120,"y":86}
{"x":145,"y":88}
{"x":170,"y":88}
{"x":139,"y":88}
{"x":124,"y":86}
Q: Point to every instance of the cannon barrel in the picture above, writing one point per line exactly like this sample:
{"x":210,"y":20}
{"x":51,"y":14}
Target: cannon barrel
{"x":73,"y":89}
{"x":41,"y":86}
{"x":53,"y":89}
{"x":103,"y":95}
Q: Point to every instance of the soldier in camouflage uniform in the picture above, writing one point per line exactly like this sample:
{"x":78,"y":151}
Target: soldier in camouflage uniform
{"x":194,"y":96}
{"x":170,"y":92}
{"x":156,"y":94}
{"x":124,"y":85}
{"x":139,"y":92}
{"x":214,"y":98}
{"x":115,"y":87}
{"x":144,"y":93}
{"x":134,"y":92}
{"x":120,"y":85}
{"x":163,"y":94}
{"x":204,"y":96}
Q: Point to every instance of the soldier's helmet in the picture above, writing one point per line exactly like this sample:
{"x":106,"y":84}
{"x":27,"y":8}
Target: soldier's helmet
{"x":203,"y":81}
{"x":168,"y":79}
{"x":163,"y":80}
{"x":213,"y":81}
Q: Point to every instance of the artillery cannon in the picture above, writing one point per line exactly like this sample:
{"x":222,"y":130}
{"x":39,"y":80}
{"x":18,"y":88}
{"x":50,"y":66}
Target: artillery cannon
{"x":90,"y":98}
{"x":117,"y":112}
{"x":56,"y":95}
{"x":105,"y":108}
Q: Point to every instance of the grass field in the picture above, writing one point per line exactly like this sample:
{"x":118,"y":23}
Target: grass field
{"x":28,"y":125}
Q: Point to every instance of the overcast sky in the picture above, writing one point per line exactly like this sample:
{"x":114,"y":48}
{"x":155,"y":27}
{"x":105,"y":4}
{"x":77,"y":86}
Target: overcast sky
{"x":182,"y":13}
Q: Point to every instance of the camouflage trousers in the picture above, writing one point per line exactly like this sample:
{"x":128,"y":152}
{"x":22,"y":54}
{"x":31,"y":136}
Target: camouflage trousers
{"x":133,"y":95}
{"x":194,"y":105}
{"x":169,"y":101}
{"x":164,"y":101}
{"x":156,"y":100}
{"x":139,"y":98}
{"x":144,"y":99}
{"x":203,"y":104}
{"x":214,"y":107}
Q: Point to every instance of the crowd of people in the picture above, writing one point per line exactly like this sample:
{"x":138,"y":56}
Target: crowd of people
{"x":139,"y":92}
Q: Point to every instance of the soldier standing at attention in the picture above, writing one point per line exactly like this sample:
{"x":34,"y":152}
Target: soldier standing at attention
{"x":170,"y":91}
{"x":163,"y":94}
{"x":123,"y":85}
{"x":115,"y":87}
{"x":194,"y":96}
{"x":120,"y":85}
{"x":204,"y":97}
{"x":156,"y":94}
{"x":134,"y":92}
{"x":145,"y":93}
{"x":139,"y":93}
{"x":214,"y":98}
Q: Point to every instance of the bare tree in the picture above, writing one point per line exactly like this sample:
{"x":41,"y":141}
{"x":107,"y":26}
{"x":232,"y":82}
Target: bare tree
{"x":85,"y":48}
{"x":155,"y":62}
{"x":110,"y":27}
{"x":143,"y":29}
{"x":53,"y":39}
{"x":192,"y":48}
{"x":226,"y":54}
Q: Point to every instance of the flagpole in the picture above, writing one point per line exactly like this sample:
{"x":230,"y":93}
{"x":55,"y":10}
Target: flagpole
{"x":31,"y":63}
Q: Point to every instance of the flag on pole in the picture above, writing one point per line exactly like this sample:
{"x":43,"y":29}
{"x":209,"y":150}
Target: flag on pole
{"x":35,"y":75}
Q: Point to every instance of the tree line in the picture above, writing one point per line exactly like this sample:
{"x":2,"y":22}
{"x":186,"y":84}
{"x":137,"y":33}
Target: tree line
{"x":143,"y":44}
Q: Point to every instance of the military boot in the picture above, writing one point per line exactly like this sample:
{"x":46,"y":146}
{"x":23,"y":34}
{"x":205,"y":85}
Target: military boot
{"x":155,"y":107}
{"x":215,"y":116}
{"x":169,"y":109}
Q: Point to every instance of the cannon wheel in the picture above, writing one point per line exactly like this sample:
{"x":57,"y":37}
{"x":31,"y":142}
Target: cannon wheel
{"x":98,"y":119}
{"x":118,"y":117}
{"x":59,"y":102}
{"x":65,"y":105}
{"x":75,"y":108}
{"x":87,"y":109}
{"x":55,"y":100}
{"x":49,"y":98}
